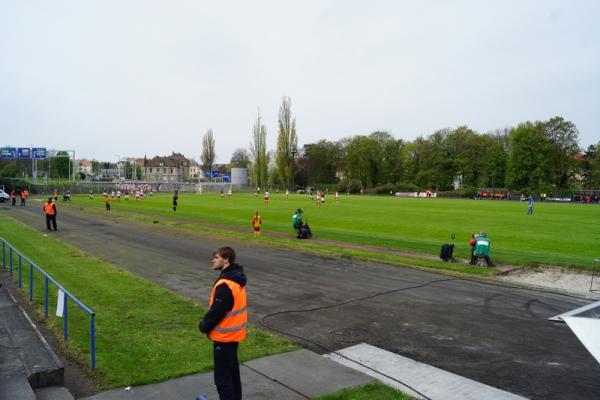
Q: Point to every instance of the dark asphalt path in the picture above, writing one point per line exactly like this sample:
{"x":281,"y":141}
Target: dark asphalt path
{"x":497,"y":335}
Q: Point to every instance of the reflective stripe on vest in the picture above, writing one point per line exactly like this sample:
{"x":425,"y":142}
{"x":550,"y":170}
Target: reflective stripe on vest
{"x":232,"y":328}
{"x":49,"y":208}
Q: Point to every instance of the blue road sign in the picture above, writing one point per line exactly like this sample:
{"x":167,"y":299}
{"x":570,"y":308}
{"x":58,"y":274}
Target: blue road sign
{"x":23,"y":152}
{"x":215,"y":174}
{"x":8,"y":152}
{"x":226,"y":178}
{"x":39,"y":152}
{"x":207,"y":174}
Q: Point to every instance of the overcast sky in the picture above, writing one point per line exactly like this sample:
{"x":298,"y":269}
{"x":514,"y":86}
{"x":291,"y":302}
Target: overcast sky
{"x":128,"y":78}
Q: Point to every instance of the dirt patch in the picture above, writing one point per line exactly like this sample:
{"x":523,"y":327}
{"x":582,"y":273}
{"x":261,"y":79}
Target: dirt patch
{"x":557,"y":279}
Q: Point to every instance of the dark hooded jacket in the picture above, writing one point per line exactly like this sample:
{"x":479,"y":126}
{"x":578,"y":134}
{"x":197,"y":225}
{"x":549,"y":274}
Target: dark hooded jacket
{"x":223,"y":302}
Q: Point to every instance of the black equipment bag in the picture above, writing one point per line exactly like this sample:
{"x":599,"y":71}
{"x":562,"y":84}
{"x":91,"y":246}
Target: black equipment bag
{"x":304,"y":232}
{"x":446,"y":252}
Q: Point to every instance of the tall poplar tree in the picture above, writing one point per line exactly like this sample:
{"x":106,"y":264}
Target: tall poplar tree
{"x":258,"y":148}
{"x":208,"y":151}
{"x":287,"y":142}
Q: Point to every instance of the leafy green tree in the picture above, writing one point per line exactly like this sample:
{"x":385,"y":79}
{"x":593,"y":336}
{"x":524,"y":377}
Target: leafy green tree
{"x":528,"y":165}
{"x":258,"y":148}
{"x":435,"y":166}
{"x":392,"y":168}
{"x":287,"y":142}
{"x":208,"y":151}
{"x":61,"y":165}
{"x":9,"y":169}
{"x":590,"y":167}
{"x":564,"y":136}
{"x":321,"y":160}
{"x":364,"y":160}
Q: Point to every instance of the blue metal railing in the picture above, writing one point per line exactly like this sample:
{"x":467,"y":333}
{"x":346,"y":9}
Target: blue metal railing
{"x":48,"y":279}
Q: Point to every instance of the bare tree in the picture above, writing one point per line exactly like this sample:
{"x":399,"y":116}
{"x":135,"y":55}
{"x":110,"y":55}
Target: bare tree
{"x":287,"y":142}
{"x":240,"y":158}
{"x":208,"y":151}
{"x":258,"y":148}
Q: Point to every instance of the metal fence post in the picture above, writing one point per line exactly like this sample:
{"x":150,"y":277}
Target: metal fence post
{"x":65,"y":318}
{"x":3,"y":255}
{"x":46,"y":296}
{"x":20,"y":273}
{"x":10,"y":257}
{"x":93,"y":341}
{"x":30,"y":282}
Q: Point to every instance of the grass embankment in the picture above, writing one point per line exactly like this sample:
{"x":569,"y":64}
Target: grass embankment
{"x":370,"y":391}
{"x":144,"y":333}
{"x":557,"y":234}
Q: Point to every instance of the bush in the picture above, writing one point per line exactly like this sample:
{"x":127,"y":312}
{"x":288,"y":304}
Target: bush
{"x":351,"y":186}
{"x":407,"y":187}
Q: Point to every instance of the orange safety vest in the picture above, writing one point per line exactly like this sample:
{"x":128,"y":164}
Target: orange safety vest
{"x":49,"y":208}
{"x":256,"y":222}
{"x":232,"y":328}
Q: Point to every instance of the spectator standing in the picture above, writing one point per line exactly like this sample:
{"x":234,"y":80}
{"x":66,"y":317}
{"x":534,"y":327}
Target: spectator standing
{"x":50,"y":211}
{"x":225,"y":322}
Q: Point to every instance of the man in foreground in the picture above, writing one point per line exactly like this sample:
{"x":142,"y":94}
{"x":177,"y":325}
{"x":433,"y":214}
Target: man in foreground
{"x":225,"y":322}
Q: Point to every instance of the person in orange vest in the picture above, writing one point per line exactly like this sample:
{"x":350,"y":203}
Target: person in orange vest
{"x":13,"y":198}
{"x":50,"y":211}
{"x":107,"y":203}
{"x":256,"y":223}
{"x":23,"y":196}
{"x":225,"y":322}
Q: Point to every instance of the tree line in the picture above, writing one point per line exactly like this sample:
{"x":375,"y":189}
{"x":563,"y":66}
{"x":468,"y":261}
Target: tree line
{"x":541,"y":156}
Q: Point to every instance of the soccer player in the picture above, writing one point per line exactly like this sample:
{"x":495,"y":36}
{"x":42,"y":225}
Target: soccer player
{"x":256,"y":224}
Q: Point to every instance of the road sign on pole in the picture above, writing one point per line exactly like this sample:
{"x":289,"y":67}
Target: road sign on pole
{"x":24,"y":152}
{"x":39,"y":152}
{"x":8,"y":152}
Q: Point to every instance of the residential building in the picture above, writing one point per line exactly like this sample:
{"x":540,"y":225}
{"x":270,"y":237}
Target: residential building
{"x":173,"y":168}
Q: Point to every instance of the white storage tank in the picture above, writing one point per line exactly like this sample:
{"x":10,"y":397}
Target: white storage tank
{"x":239,"y":176}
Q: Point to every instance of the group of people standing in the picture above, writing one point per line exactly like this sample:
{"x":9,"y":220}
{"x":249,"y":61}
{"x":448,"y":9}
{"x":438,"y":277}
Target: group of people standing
{"x":23,"y":194}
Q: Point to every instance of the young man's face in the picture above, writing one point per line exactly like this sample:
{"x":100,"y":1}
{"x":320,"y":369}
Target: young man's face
{"x":218,"y":262}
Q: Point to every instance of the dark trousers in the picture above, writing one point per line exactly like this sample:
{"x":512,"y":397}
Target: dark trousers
{"x":227,"y":371}
{"x":49,"y":219}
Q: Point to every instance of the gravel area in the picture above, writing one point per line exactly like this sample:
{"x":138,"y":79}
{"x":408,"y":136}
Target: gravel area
{"x":558,"y":279}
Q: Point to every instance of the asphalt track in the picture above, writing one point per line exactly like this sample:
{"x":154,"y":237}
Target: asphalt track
{"x":494,"y":334}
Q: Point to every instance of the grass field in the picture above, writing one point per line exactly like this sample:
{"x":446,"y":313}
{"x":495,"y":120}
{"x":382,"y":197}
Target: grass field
{"x":373,"y":390}
{"x":144,"y":333}
{"x":557,"y":234}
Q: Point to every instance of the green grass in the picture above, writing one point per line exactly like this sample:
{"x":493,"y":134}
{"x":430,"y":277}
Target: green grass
{"x":557,"y":234}
{"x":370,"y":391}
{"x":144,"y":333}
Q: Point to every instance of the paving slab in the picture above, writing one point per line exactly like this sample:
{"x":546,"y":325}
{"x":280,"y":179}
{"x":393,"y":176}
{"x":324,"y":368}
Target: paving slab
{"x":290,"y":376}
{"x":15,"y":387}
{"x":254,"y":385}
{"x":53,"y":393}
{"x":309,"y":373}
{"x":417,"y":379}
